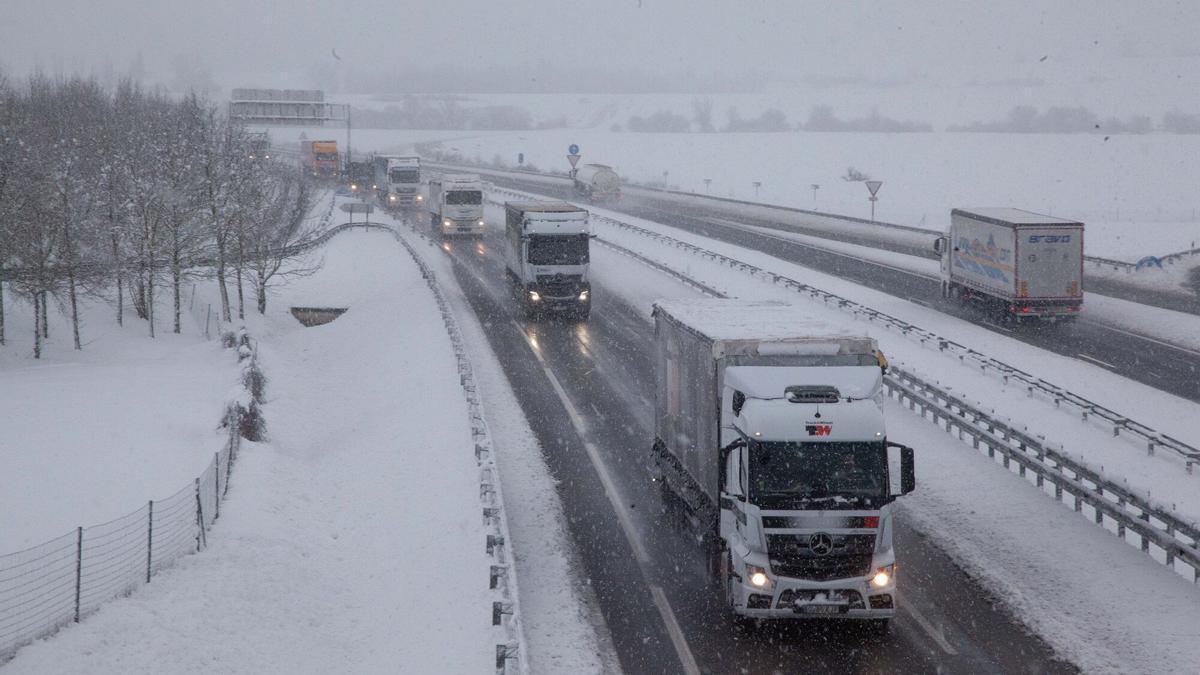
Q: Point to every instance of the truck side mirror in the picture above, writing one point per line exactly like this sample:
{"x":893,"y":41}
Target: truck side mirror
{"x":908,"y":471}
{"x":901,"y":465}
{"x":939,"y":245}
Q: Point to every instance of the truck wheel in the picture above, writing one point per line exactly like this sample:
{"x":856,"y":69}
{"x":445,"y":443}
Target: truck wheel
{"x":879,"y":627}
{"x":715,"y":557}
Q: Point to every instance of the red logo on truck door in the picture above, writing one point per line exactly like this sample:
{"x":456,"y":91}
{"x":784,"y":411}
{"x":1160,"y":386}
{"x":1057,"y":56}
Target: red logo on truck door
{"x":818,"y":428}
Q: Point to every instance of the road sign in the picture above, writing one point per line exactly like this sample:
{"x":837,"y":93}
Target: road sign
{"x":573,"y":158}
{"x":873,"y":186}
{"x":573,"y":149}
{"x":358,"y":207}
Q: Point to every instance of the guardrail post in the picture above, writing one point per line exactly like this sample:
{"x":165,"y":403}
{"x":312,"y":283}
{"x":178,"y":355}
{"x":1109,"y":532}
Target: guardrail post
{"x":216,"y":485}
{"x":78,"y":567}
{"x":149,"y":539}
{"x":201,"y":536}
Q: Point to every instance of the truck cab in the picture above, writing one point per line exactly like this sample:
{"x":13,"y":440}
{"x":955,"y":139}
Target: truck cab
{"x":456,"y":205}
{"x":546,"y":257}
{"x":398,"y":181}
{"x":808,"y":492}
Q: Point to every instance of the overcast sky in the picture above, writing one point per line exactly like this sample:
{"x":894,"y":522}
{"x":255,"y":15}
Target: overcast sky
{"x":282,"y":43}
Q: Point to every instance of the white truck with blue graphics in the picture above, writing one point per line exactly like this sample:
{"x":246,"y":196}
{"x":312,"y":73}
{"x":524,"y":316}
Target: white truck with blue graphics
{"x":1016,"y":263}
{"x":770,"y":440}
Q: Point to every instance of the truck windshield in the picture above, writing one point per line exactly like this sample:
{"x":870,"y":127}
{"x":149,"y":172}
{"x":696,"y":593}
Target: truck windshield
{"x":327,"y":156}
{"x":558,"y":249}
{"x":404,"y":176}
{"x":820,"y":475}
{"x":464,"y":197}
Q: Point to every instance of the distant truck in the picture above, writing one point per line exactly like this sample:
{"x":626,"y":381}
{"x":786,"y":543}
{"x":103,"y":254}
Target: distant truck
{"x":546,"y":257}
{"x":398,"y":181}
{"x":259,"y":146}
{"x":320,"y":158}
{"x":1017,"y":263}
{"x":456,"y":205}
{"x":769,"y":435}
{"x":361,"y":176}
{"x":597,"y":183}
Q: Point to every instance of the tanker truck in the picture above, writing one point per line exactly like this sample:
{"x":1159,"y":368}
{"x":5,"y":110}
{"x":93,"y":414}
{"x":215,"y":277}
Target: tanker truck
{"x":597,"y":183}
{"x":770,"y":441}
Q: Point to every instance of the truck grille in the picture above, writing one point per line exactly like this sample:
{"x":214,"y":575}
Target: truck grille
{"x":559,"y":286}
{"x":793,"y":556}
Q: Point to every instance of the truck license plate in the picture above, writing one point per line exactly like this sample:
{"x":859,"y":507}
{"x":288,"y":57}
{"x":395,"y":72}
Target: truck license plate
{"x":822,"y":610}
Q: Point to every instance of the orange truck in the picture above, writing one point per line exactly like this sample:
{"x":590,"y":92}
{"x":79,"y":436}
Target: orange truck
{"x":319,"y":158}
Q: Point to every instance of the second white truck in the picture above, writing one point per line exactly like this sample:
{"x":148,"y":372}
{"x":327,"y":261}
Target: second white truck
{"x":1016,"y":263}
{"x":398,"y":181}
{"x":456,"y":205}
{"x":770,"y":439}
{"x":546,"y":257}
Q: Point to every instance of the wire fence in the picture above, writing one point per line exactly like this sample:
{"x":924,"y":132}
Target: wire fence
{"x":59,"y":582}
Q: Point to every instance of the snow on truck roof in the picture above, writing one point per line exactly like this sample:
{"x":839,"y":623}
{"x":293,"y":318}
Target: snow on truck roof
{"x":761,"y":320}
{"x":543,"y":207}
{"x":1006,"y":216}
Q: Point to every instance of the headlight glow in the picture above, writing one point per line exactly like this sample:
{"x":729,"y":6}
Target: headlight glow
{"x":883,"y":576}
{"x":392,"y":198}
{"x":583,"y":296}
{"x":481,"y":223}
{"x":757,"y":576}
{"x":446,"y":223}
{"x":535,"y":296}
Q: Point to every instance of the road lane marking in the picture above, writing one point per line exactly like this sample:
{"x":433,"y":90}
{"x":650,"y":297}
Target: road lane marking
{"x":681,"y":646}
{"x":935,"y":634}
{"x":1097,"y":361}
{"x":1147,"y":338}
{"x":682,"y":650}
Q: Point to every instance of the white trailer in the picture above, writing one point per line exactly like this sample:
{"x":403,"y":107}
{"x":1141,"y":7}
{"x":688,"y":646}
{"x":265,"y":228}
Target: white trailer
{"x":769,"y":435}
{"x":456,"y":205}
{"x":1018,"y":263}
{"x":597,"y":182}
{"x":546,"y":257}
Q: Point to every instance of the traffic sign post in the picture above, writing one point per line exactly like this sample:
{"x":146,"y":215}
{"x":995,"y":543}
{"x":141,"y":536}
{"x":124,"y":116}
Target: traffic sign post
{"x":873,"y":187}
{"x":573,"y":159}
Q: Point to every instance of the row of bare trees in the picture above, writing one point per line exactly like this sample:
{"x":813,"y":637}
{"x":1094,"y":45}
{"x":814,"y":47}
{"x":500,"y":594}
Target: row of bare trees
{"x":114,"y":194}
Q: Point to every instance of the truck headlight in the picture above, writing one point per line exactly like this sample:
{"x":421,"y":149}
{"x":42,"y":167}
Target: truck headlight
{"x":535,"y":296}
{"x":446,"y":223}
{"x":583,"y":296}
{"x":883,"y":576}
{"x":757,"y":576}
{"x":420,"y":198}
{"x":353,"y":187}
{"x":391,"y":198}
{"x":481,"y":223}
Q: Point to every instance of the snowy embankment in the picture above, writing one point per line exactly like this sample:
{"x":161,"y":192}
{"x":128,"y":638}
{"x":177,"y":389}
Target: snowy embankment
{"x":1039,"y":558}
{"x":91,"y":435}
{"x":352,"y":540}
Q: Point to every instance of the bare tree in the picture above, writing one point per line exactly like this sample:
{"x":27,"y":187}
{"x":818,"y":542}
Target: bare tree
{"x":279,"y":231}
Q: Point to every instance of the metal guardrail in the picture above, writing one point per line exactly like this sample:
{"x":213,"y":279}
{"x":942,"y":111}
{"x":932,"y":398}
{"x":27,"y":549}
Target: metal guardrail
{"x":62,"y":581}
{"x":1035,"y":386}
{"x":1105,"y":500}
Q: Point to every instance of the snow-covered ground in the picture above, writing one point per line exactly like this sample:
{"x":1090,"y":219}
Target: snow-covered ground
{"x":351,"y":540}
{"x":91,"y":435}
{"x":1127,"y":614}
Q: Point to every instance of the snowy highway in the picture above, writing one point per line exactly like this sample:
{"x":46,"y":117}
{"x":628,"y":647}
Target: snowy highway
{"x":586,"y":390}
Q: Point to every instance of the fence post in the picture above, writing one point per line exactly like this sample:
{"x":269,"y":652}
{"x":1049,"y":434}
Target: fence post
{"x":216,"y":485}
{"x":78,"y":567}
{"x":201,"y":536}
{"x":207,"y":316}
{"x":149,"y":539}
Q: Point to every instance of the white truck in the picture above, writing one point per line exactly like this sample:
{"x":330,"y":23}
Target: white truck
{"x":597,"y":183}
{"x":769,"y":437}
{"x":1017,"y":263}
{"x":456,"y":205}
{"x":398,"y":181}
{"x":546,"y":257}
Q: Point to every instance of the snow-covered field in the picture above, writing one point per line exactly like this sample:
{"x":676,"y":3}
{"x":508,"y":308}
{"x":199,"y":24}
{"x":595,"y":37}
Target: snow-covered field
{"x":91,"y":435}
{"x":351,"y":540}
{"x":1135,"y":192}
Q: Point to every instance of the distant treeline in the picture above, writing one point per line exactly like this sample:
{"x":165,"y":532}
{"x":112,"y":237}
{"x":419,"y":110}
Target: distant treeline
{"x":821,"y":118}
{"x":443,"y":112}
{"x":1075,"y":120}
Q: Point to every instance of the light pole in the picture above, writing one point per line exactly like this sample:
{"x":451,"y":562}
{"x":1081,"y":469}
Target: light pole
{"x":757,"y":184}
{"x":815,"y":187}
